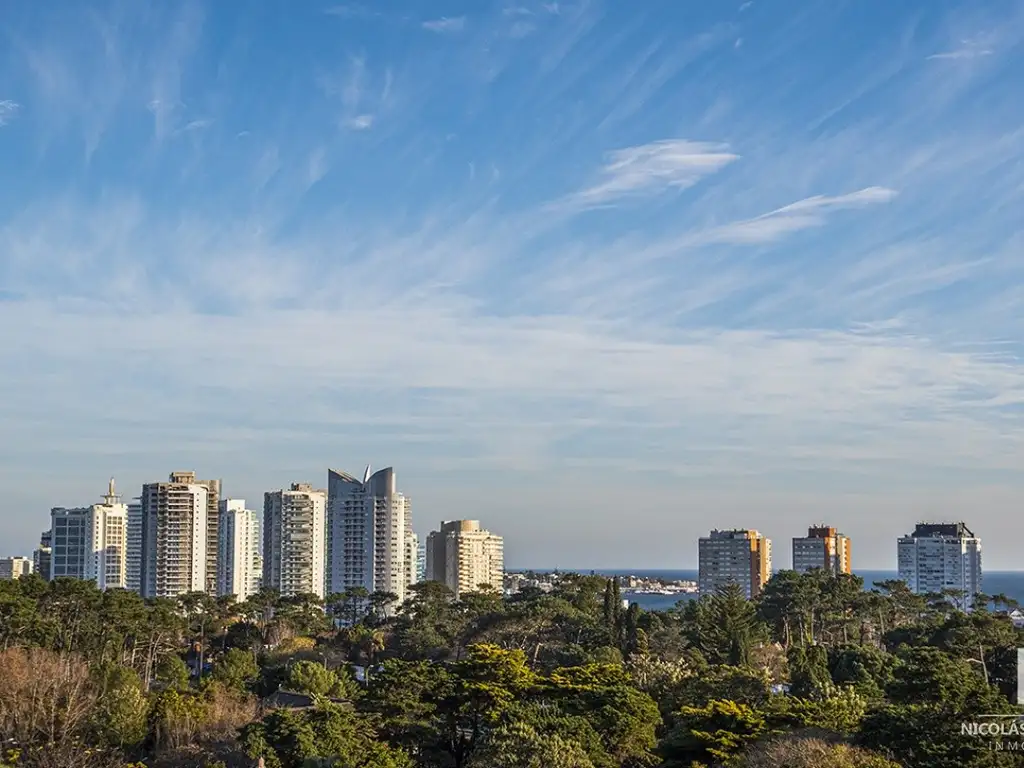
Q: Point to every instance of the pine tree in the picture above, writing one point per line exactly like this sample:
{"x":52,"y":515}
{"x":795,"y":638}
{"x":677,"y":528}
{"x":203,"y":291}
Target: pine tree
{"x":609,"y":606}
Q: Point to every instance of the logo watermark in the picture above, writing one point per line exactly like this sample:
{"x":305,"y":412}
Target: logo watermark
{"x":1003,"y":733}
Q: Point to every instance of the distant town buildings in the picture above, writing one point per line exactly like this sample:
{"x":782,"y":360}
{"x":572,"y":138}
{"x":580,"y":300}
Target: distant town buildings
{"x":89,"y":542}
{"x":173,"y":558}
{"x":742,"y":557}
{"x":240,"y":563}
{"x":823,"y":547}
{"x":463,"y":556}
{"x":515,"y":582}
{"x":294,"y":531}
{"x":14,"y":567}
{"x":370,"y":542}
{"x":941,"y":556}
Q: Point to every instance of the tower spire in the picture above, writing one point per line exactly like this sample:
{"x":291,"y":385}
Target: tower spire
{"x":111,"y":497}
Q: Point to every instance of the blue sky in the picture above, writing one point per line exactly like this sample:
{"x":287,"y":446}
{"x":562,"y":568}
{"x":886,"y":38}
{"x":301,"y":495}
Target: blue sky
{"x":600,"y":274}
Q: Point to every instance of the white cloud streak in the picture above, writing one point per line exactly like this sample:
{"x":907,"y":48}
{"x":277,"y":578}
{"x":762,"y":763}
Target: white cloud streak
{"x":197,"y":125}
{"x":963,"y":53}
{"x":8,"y":110}
{"x":446,"y":25}
{"x":803,"y":214}
{"x":650,"y":169}
{"x":359,"y":122}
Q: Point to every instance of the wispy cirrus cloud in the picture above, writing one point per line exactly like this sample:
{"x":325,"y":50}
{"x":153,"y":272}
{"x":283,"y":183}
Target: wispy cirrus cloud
{"x":803,"y":214}
{"x":197,"y":125}
{"x":351,"y":296}
{"x":963,"y":53}
{"x":975,"y":46}
{"x":8,"y":110}
{"x":446,"y":25}
{"x":650,"y":169}
{"x":363,"y":93}
{"x":359,"y":122}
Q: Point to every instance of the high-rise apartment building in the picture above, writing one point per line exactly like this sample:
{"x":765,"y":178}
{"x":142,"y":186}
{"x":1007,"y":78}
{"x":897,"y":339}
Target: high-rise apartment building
{"x":823,"y":547}
{"x":294,"y":532}
{"x":90,"y":542}
{"x":173,"y":559}
{"x":368,"y":533}
{"x":14,"y":567}
{"x":240,"y":564}
{"x":133,"y":580}
{"x":743,"y":557}
{"x":941,"y":556}
{"x":464,"y":557}
{"x":212,"y":523}
{"x":43,"y":555}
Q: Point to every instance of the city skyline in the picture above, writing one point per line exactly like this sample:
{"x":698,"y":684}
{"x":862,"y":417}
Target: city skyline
{"x":613,"y":269}
{"x":392,"y":499}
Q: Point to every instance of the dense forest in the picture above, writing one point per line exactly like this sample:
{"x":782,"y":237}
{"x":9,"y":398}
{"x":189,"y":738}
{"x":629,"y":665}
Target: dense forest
{"x":815,"y":673}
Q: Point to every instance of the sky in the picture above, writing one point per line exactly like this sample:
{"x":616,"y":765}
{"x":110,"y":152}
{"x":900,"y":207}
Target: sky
{"x":602,"y":275}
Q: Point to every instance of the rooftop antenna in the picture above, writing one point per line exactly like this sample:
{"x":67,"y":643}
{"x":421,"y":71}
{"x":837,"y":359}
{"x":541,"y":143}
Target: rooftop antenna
{"x":111,"y":497}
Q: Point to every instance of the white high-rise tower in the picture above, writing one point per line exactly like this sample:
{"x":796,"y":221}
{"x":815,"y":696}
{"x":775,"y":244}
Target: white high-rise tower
{"x":370,"y":542}
{"x":941,"y":556}
{"x":240,"y":565}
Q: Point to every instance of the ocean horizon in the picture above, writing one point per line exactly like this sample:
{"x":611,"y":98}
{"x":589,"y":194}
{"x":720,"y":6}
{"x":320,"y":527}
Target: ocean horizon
{"x":1009,"y":583}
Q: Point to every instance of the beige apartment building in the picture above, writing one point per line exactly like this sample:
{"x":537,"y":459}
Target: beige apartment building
{"x":463,"y":556}
{"x":174,"y":521}
{"x":739,"y":556}
{"x":823,"y":547}
{"x":294,"y":540}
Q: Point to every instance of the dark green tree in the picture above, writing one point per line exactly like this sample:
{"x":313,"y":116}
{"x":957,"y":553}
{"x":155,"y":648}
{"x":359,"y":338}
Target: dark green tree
{"x":236,"y":669}
{"x":626,"y":719}
{"x":808,"y":671}
{"x":711,"y":735}
{"x":932,"y":695}
{"x":328,"y":735}
{"x":519,"y":745}
{"x":724,"y":626}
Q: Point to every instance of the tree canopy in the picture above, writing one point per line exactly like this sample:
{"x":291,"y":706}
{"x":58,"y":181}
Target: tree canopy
{"x":814,"y":672}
